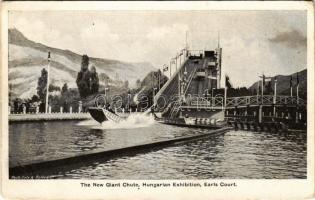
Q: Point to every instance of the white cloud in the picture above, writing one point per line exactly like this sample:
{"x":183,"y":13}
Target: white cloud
{"x":140,"y":36}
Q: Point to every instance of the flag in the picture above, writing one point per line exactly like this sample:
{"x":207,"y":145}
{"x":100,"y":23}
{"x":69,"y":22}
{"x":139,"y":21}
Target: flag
{"x":291,"y":82}
{"x":297,"y":79}
{"x":227,"y":82}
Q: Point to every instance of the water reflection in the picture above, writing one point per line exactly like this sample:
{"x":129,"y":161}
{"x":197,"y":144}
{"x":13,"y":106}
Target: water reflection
{"x":42,"y":141}
{"x":236,"y":154}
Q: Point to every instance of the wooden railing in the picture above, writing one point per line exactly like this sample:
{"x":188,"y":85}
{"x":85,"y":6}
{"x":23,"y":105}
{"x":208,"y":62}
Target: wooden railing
{"x":264,"y":100}
{"x":203,"y":102}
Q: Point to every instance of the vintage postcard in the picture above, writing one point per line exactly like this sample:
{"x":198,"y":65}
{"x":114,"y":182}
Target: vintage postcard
{"x":156,"y":100}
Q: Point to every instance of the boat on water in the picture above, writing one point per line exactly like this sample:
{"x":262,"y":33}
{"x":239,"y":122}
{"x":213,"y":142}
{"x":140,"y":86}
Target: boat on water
{"x":102,"y":114}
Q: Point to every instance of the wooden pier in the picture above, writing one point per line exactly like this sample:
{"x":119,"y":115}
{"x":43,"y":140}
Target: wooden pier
{"x":266,"y":113}
{"x":263,"y":113}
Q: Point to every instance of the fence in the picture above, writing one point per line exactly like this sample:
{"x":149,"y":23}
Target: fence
{"x":264,"y":100}
{"x":36,"y":110}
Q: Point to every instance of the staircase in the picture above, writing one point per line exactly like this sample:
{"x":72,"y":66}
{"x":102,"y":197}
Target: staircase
{"x":192,"y":75}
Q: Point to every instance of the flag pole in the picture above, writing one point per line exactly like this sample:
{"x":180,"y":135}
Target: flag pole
{"x":291,"y":86}
{"x":275,"y":93}
{"x":170,"y":69}
{"x":176,"y":62}
{"x":297,"y":93}
{"x":297,"y":88}
{"x":262,"y":86}
{"x":275,"y":97}
{"x":225,"y":93}
{"x":47,"y":85}
{"x":180,"y":60}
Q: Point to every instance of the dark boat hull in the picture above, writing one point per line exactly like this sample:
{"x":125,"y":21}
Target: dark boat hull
{"x":98,"y":114}
{"x":101,"y":115}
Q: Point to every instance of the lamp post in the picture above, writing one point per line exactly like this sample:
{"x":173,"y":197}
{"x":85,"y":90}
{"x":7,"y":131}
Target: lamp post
{"x":47,"y":86}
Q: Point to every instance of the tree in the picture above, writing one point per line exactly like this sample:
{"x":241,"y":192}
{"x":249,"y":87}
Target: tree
{"x":41,"y":85}
{"x":53,"y":88}
{"x":138,"y":83}
{"x":35,"y":98}
{"x":83,"y":78}
{"x":94,"y":81}
{"x":64,"y":89}
{"x":87,"y":80}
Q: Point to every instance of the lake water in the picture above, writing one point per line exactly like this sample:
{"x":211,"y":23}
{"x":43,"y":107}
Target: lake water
{"x":235,"y":154}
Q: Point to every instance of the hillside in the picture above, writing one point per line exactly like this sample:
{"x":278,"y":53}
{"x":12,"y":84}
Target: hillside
{"x":27,"y":58}
{"x":283,"y":83}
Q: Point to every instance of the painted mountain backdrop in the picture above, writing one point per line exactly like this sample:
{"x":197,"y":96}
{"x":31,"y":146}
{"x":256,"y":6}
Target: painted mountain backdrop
{"x":27,"y":58}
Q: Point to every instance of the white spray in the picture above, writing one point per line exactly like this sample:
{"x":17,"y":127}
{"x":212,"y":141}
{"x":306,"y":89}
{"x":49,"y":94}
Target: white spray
{"x":134,"y":120}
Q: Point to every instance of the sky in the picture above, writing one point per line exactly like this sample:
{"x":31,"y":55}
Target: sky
{"x":253,"y":42}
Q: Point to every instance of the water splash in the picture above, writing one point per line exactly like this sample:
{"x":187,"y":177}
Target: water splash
{"x":89,"y":122}
{"x":134,"y":120}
